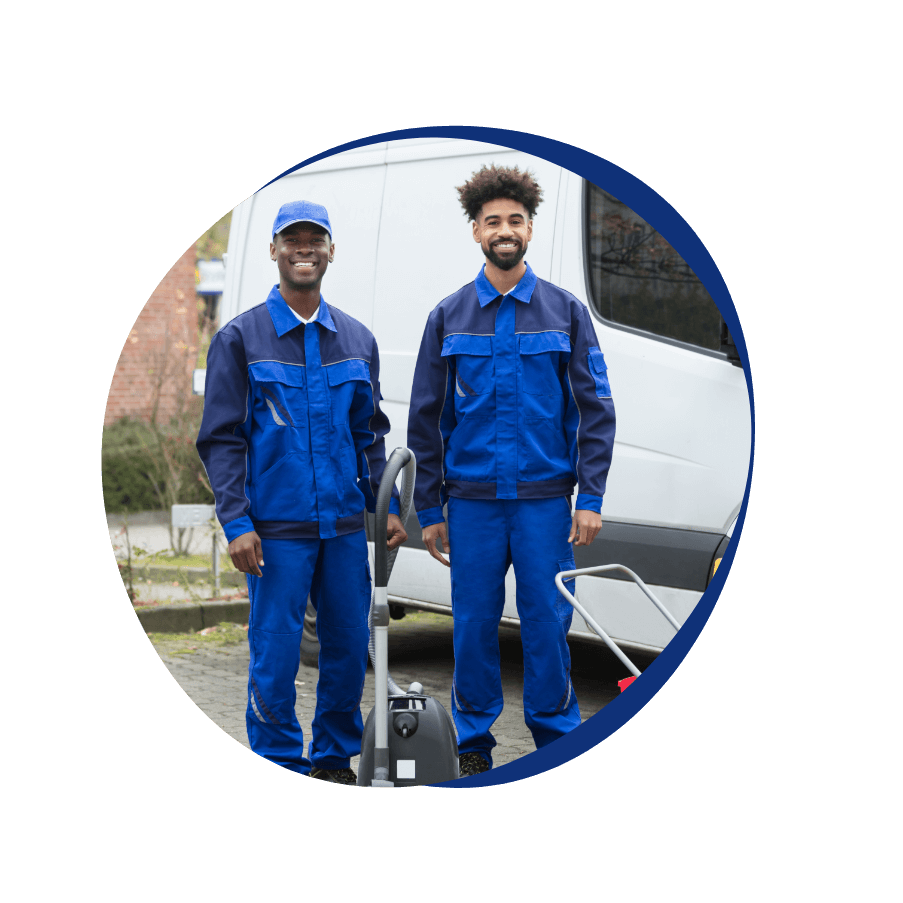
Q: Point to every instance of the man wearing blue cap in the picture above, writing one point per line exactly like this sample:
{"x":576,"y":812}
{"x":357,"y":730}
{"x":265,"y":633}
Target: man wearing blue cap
{"x":510,"y":408}
{"x":292,"y":439}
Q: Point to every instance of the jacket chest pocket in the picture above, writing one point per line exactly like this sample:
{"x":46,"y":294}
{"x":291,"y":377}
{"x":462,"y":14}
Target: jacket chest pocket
{"x":473,"y":362}
{"x":280,"y":394}
{"x":345,"y":379}
{"x":540,"y":359}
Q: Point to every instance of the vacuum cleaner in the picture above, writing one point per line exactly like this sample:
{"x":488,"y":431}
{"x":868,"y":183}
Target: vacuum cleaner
{"x":409,"y":739}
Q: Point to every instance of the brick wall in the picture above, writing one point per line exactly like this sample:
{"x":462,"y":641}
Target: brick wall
{"x":160,"y":352}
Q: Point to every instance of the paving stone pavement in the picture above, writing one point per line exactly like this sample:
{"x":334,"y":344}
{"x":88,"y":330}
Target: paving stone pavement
{"x":420,"y":648}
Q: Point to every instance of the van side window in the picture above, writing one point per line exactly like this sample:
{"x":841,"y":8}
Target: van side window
{"x":638,"y":280}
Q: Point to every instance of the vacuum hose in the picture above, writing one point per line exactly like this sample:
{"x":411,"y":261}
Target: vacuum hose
{"x":402,"y":459}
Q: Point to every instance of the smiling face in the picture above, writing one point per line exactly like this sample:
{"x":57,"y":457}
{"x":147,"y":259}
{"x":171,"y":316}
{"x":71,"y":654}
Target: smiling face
{"x":503,"y":230}
{"x":302,"y":252}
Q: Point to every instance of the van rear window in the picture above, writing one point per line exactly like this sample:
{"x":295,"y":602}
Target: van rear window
{"x":638,"y":280}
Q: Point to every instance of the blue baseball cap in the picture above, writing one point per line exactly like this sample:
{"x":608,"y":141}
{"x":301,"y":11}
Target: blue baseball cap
{"x":301,"y":212}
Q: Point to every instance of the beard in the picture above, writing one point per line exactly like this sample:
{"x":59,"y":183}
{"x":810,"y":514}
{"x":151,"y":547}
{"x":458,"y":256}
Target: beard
{"x":505,"y":263}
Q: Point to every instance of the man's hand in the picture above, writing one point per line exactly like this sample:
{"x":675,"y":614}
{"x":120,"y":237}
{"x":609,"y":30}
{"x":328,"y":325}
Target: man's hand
{"x":395,"y":532}
{"x":584,"y":527}
{"x":430,"y":535}
{"x":247,"y":554}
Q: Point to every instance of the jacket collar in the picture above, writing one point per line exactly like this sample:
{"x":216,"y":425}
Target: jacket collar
{"x":523,"y":291}
{"x":284,"y":320}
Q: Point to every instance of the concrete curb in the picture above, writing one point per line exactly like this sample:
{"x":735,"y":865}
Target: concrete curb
{"x":188,"y":617}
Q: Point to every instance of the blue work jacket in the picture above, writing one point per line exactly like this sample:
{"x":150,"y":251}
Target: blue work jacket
{"x":293,"y":438}
{"x":510,"y":400}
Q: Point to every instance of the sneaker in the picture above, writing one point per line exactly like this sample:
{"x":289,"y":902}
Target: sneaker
{"x":339,"y":776}
{"x":472,"y":763}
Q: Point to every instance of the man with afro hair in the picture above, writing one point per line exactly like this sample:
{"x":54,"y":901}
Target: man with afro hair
{"x":510,"y":409}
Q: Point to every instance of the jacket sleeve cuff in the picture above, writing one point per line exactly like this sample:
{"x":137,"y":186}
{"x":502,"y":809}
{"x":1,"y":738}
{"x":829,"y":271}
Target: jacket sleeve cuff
{"x":589,"y":503}
{"x":431,"y":516}
{"x":394,"y":506}
{"x":238,"y":527}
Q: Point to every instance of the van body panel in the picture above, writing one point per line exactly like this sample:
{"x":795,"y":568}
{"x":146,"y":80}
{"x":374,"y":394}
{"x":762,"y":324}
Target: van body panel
{"x":426,"y":247}
{"x":624,"y":613}
{"x":618,"y":606}
{"x":682,"y":447}
{"x":355,"y":219}
{"x":681,"y":453}
{"x":368,"y":155}
{"x":435,"y":148}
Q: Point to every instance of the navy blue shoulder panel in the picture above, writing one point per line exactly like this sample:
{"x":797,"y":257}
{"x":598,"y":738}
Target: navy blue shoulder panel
{"x":550,"y":309}
{"x":254,"y":328}
{"x":251,"y":325}
{"x":350,"y":340}
{"x":460,"y":313}
{"x":261,"y":343}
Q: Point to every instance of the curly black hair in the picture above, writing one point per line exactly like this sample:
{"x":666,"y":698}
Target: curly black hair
{"x":493,"y":182}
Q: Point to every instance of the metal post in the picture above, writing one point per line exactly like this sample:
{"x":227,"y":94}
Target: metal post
{"x":215,"y":562}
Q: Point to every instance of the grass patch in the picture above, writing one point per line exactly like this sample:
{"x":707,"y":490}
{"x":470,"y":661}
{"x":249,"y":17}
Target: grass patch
{"x":224,"y":634}
{"x":184,"y":561}
{"x":421,"y":617}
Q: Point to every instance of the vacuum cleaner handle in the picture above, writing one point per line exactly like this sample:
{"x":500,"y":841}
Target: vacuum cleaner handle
{"x":398,"y":460}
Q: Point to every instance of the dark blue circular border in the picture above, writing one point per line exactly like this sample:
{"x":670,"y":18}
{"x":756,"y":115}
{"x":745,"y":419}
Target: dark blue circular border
{"x":659,"y":213}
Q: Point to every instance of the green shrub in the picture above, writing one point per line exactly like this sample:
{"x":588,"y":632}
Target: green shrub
{"x":126,"y":486}
{"x":146,"y":468}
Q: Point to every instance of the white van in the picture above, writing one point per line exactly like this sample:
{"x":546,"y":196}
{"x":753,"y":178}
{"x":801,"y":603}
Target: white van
{"x":682,"y":448}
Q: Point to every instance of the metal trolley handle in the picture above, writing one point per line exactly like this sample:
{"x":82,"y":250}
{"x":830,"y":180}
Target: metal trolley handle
{"x":569,"y":575}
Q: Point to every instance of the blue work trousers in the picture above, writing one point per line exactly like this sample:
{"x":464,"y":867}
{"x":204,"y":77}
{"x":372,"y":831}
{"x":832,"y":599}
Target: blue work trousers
{"x":486,"y":537}
{"x":336,"y":573}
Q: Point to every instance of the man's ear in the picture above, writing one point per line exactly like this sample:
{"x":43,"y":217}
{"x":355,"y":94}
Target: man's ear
{"x":476,"y":230}
{"x":272,"y":251}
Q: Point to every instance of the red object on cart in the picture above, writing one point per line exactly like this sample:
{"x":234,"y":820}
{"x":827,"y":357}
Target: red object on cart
{"x":624,"y":684}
